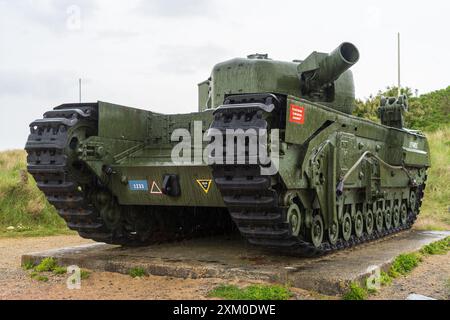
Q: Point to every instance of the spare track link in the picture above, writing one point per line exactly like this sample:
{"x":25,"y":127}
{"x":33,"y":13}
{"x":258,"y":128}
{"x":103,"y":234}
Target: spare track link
{"x":253,"y":202}
{"x":48,"y":163}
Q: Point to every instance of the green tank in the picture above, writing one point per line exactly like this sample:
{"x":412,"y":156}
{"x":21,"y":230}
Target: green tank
{"x":273,"y":152}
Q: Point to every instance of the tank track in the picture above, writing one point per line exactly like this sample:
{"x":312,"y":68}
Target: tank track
{"x":52,"y":162}
{"x":254,"y":201}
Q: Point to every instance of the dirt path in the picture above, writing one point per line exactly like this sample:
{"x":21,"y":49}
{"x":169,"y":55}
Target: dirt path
{"x":16,"y":283}
{"x":431,"y":278}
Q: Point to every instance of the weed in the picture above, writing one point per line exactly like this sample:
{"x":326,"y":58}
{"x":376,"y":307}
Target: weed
{"x":46,"y":265}
{"x":385,"y":279}
{"x":28,"y":265}
{"x":355,"y":292}
{"x":439,"y":247}
{"x":137,"y":272}
{"x":253,"y":292}
{"x":404,"y":264}
{"x":59,"y":270}
{"x":38,"y":277}
{"x":85,"y":274}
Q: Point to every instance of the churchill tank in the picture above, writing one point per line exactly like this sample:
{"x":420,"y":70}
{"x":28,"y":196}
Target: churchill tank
{"x":273,"y":152}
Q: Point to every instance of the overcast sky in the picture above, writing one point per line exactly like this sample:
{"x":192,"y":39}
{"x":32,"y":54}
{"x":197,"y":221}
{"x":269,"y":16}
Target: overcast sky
{"x":152,"y":53}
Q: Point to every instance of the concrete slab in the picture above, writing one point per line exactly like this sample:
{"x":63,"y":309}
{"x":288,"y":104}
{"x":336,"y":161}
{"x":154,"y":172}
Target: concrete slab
{"x":231,"y":258}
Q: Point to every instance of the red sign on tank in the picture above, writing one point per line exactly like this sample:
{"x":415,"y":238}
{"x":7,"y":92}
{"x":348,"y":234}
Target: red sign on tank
{"x":297,"y":114}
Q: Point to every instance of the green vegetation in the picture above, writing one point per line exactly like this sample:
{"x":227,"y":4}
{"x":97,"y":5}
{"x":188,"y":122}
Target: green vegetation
{"x":404,"y":264}
{"x":137,"y":272}
{"x":28,"y":265}
{"x":439,"y":247}
{"x":355,"y":292}
{"x":49,"y":266}
{"x":38,"y":277}
{"x":24,"y":211}
{"x":385,"y":279}
{"x":435,"y":207}
{"x":46,"y":265}
{"x":427,"y":112}
{"x":253,"y":292}
{"x":84,"y":274}
{"x":59,"y":270}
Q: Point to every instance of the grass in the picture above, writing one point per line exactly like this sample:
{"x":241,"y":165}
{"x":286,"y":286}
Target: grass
{"x":59,"y":270}
{"x":46,"y":265}
{"x":137,"y":272}
{"x":439,"y":247}
{"x":385,"y":279}
{"x":356,"y":292}
{"x":253,"y":292}
{"x":436,"y":204}
{"x":404,"y":264}
{"x":28,"y":265}
{"x":84,"y":274}
{"x":39,"y":277}
{"x":24,"y":210}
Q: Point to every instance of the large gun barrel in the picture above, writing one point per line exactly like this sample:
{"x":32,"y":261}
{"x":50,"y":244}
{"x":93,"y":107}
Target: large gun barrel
{"x":320,"y":69}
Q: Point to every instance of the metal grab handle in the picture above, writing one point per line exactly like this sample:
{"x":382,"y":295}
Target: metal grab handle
{"x":340,"y":187}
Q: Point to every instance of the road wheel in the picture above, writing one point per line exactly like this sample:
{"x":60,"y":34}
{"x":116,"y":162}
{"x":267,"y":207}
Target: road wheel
{"x":403,"y":214}
{"x":347,"y":226}
{"x":333,"y":232}
{"x":359,"y":224}
{"x":379,"y":220}
{"x":370,"y":220}
{"x":388,"y":218}
{"x":396,"y":216}
{"x":317,"y":231}
{"x":295,"y":219}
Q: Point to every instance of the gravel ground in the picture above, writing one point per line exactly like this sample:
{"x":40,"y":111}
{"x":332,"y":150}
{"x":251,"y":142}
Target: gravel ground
{"x":17,"y":284}
{"x":430,"y":278}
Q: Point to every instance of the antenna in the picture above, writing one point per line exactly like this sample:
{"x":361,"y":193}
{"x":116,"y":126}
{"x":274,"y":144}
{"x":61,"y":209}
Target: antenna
{"x":79,"y":87}
{"x":399,"y":67}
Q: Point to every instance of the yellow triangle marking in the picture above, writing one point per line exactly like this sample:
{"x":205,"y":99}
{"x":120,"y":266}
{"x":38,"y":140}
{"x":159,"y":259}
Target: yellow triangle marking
{"x":205,"y":184}
{"x":155,"y":188}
